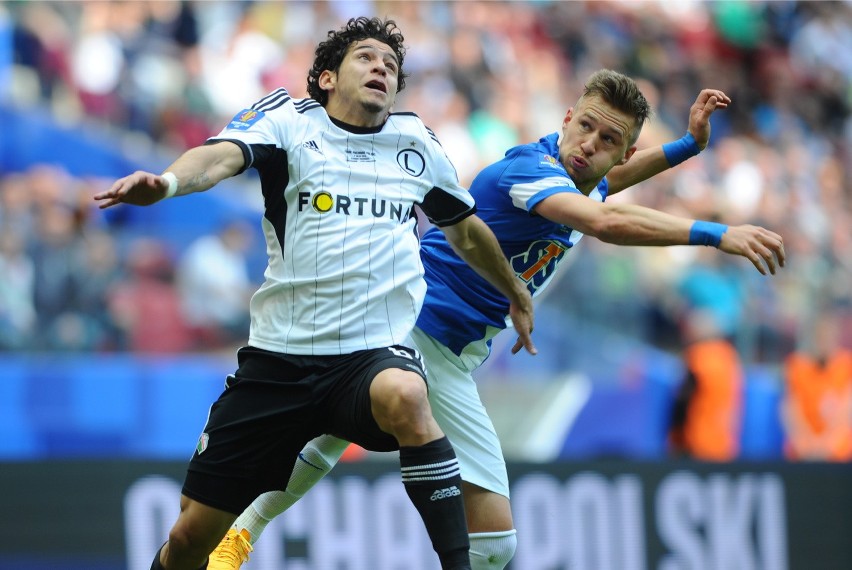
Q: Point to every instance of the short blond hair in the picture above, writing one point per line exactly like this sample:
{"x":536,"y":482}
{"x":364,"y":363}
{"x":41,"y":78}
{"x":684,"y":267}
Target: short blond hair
{"x":622,"y":93}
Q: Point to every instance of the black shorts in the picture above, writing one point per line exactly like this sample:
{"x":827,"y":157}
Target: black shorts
{"x":272,"y":406}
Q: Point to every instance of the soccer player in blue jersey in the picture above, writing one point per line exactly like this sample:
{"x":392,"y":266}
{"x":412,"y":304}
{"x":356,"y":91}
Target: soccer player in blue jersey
{"x":539,"y":200}
{"x":340,"y":176}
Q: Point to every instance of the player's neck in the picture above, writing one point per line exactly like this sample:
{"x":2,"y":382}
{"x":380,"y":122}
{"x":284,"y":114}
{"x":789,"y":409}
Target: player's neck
{"x":587,"y":187}
{"x":355,"y":129}
{"x":358,"y":118}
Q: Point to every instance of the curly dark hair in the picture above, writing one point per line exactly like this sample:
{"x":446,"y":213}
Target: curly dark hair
{"x":330,"y":53}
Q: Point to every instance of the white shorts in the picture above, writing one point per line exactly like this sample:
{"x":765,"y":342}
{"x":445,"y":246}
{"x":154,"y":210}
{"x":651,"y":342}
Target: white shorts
{"x":458,"y":409}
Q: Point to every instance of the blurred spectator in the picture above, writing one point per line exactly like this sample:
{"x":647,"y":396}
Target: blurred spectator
{"x":817,"y":408}
{"x":456,"y":138}
{"x":56,"y":257}
{"x":707,"y":414}
{"x":17,"y":312}
{"x":714,"y":286}
{"x":146,"y":307}
{"x":42,"y":39}
{"x":97,"y":61}
{"x":16,"y":207}
{"x":6,"y":41}
{"x":214,"y":286}
{"x":98,"y":275}
{"x":237,"y":64}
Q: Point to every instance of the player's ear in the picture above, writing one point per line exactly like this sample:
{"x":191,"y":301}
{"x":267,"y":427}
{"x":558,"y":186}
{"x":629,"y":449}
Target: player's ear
{"x":627,"y":155}
{"x":568,"y":116}
{"x":327,"y":80}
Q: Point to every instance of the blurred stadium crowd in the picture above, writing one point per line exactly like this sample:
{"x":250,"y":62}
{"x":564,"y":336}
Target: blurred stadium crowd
{"x":485,"y":76}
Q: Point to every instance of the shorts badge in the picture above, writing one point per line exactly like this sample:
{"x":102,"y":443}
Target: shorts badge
{"x":203,"y":440}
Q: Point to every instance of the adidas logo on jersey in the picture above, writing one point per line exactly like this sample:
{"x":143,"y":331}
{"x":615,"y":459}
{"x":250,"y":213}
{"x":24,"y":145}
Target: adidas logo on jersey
{"x":445,"y":493}
{"x":312,"y":145}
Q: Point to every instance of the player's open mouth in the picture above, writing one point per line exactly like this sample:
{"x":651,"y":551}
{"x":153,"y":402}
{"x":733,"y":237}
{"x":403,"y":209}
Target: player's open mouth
{"x":378,"y":85}
{"x":579,"y":162}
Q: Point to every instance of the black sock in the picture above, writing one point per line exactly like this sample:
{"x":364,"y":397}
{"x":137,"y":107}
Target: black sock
{"x":431,"y":477}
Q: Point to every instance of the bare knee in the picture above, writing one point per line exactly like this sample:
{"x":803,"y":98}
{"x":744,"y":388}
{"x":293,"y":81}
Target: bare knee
{"x":195,"y":534}
{"x":400,"y":406}
{"x":184,"y":543}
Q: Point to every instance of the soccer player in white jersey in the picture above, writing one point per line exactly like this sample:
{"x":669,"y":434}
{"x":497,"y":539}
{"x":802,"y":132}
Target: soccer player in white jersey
{"x":539,"y":200}
{"x":340,"y":176}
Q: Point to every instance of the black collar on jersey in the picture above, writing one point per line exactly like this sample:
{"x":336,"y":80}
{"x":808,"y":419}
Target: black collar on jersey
{"x":356,"y":130}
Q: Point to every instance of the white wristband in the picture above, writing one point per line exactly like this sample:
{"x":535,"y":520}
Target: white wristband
{"x":173,"y":184}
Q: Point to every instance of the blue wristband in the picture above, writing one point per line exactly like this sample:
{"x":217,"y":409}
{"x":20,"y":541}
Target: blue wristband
{"x":706,"y":233}
{"x":681,"y":149}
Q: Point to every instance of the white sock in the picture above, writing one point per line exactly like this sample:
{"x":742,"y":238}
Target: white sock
{"x":492,"y":550}
{"x":315,"y":460}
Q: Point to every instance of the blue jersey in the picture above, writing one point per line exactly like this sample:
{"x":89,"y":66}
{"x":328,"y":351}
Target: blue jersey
{"x":461,"y":307}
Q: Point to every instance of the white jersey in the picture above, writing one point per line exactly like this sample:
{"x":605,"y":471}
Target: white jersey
{"x":344,"y":270}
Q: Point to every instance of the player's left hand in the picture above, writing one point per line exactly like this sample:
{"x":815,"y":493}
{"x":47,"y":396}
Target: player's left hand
{"x":764,"y":248}
{"x":699,"y":114}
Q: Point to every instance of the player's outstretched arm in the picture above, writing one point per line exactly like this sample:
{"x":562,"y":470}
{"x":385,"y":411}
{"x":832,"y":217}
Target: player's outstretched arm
{"x":196,"y":170}
{"x":476,"y":244}
{"x":630,"y":224}
{"x":649,"y":162}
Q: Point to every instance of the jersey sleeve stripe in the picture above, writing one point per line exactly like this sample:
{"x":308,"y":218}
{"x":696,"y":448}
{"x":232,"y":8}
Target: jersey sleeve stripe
{"x":433,"y":136}
{"x":263,"y":104}
{"x":303,"y":105}
{"x":272,"y":105}
{"x":521,"y":193}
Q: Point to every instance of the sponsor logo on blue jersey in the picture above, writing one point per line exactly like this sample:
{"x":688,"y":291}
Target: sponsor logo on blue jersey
{"x":536,"y":265}
{"x":548,"y":160}
{"x":243,"y":120}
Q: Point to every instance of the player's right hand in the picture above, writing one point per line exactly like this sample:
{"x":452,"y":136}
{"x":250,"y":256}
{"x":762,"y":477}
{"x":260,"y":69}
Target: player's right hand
{"x":140,"y":189}
{"x":521,"y":313}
